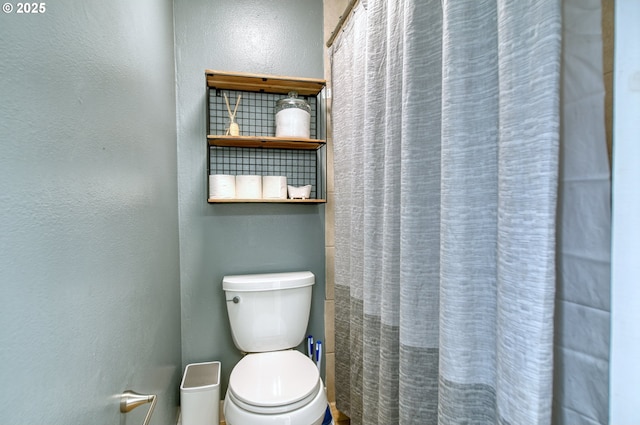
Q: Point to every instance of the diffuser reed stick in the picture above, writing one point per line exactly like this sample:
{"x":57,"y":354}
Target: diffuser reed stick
{"x":234,"y":128}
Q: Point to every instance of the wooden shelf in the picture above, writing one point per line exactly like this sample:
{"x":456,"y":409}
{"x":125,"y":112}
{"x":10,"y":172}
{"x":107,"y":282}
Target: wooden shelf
{"x":263,"y":83}
{"x":307,"y":166}
{"x":268,"y":201}
{"x":265,"y":142}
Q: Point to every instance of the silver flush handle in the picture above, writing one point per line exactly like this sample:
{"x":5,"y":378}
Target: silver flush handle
{"x":235,"y":299}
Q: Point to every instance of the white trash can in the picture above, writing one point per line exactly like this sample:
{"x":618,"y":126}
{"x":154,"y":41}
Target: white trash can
{"x":200,"y":394}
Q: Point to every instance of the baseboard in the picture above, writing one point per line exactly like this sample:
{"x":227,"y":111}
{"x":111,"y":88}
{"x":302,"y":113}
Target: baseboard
{"x":222,"y":421}
{"x":336,"y":414}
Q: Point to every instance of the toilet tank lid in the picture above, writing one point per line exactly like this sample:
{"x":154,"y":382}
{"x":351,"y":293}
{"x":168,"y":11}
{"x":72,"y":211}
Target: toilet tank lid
{"x":267,"y":281}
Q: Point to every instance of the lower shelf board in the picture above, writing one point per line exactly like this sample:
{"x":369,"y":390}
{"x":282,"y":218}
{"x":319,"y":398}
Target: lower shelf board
{"x":267,"y":201}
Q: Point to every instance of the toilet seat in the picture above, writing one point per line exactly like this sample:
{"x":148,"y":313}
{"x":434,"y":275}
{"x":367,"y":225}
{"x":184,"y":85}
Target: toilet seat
{"x":274,"y":382}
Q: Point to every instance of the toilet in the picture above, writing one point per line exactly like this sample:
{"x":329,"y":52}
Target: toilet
{"x":273,"y":383}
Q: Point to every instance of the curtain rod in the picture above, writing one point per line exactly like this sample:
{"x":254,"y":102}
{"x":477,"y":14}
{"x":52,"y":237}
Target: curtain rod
{"x":341,"y":22}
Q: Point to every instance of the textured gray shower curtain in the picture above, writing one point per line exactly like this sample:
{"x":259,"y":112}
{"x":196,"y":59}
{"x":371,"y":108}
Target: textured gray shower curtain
{"x":446,"y":127}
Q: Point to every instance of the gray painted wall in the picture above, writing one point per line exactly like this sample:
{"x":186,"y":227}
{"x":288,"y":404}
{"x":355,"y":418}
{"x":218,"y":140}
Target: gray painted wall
{"x":282,"y":37}
{"x":89,"y":258}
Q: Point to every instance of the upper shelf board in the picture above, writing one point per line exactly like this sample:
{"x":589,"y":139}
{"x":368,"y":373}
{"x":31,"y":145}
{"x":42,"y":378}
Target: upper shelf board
{"x":263,"y":83}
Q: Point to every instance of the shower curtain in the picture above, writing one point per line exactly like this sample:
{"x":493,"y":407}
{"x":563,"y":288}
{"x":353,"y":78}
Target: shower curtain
{"x":446,"y":126}
{"x":446,"y":138}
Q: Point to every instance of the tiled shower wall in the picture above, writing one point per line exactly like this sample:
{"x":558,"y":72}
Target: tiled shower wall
{"x":333,"y":9}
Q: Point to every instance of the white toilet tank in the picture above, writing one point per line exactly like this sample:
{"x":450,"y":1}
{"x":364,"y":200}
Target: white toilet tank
{"x":268,"y":312}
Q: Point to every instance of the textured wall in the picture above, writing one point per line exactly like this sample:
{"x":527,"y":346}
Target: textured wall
{"x":88,"y":226}
{"x":625,"y":291}
{"x":282,"y":37}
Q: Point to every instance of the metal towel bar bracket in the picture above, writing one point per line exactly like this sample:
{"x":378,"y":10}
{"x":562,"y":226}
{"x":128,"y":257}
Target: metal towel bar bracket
{"x":130,"y":400}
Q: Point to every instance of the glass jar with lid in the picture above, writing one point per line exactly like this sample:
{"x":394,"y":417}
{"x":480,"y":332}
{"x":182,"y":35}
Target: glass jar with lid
{"x":293,"y":117}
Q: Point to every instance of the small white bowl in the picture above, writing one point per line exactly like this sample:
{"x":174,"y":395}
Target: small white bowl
{"x":302,"y":192}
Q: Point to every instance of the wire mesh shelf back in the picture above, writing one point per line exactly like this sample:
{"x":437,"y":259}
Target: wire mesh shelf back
{"x":256,"y":113}
{"x":298,"y":165}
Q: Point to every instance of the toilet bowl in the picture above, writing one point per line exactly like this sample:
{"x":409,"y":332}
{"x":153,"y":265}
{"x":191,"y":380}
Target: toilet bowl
{"x":273,"y":384}
{"x":282,"y":387}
